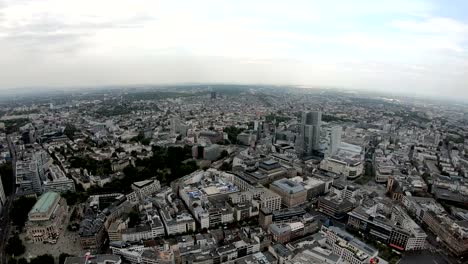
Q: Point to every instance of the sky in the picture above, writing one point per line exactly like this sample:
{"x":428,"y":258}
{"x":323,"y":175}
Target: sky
{"x":397,"y":46}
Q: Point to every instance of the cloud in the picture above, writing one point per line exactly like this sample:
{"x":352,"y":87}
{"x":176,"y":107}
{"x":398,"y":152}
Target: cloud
{"x":434,"y":25}
{"x":362,"y":43}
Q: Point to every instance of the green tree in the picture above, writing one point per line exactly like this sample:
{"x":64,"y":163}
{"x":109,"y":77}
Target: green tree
{"x":22,"y":261}
{"x":6,"y":172}
{"x":73,"y":198}
{"x":62,"y":257}
{"x":232,"y":132}
{"x":69,"y":131}
{"x":12,"y":261}
{"x":224,"y":154}
{"x":20,"y":210}
{"x":134,"y":219}
{"x":14,"y":246}
{"x":226,"y":166}
{"x":43,"y":259}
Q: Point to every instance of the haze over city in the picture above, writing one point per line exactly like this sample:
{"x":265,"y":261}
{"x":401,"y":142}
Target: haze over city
{"x":413,"y":47}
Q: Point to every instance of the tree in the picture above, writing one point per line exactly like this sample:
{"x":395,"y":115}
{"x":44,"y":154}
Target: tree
{"x":20,"y":210}
{"x":14,"y":246}
{"x":6,"y":172}
{"x":43,"y":259}
{"x":134,"y":219}
{"x":12,"y":261}
{"x":22,"y":261}
{"x":166,"y":164}
{"x":69,"y":131}
{"x":224,"y":154}
{"x":119,"y":150}
{"x":73,"y":198}
{"x":62,"y":257}
{"x":226,"y":166}
{"x":232,"y":132}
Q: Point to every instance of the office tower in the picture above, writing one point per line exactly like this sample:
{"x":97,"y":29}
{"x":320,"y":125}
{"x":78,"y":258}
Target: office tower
{"x":175,"y":123}
{"x":178,"y":127}
{"x":309,"y":132}
{"x":213,"y":95}
{"x":256,"y":125}
{"x":335,"y":139}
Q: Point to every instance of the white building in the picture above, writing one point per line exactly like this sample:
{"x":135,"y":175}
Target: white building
{"x":349,"y":248}
{"x":350,"y":169}
{"x":146,"y":188}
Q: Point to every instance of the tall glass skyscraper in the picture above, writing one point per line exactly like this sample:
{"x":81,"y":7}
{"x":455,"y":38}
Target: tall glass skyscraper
{"x":309,"y":132}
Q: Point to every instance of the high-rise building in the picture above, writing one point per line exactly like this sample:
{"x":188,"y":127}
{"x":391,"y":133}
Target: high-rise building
{"x":28,"y":177}
{"x":178,"y":127}
{"x":335,"y":139}
{"x":175,"y":123}
{"x":309,"y":133}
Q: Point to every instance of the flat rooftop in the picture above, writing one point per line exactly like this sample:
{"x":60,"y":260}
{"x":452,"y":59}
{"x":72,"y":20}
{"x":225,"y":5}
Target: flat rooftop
{"x":289,"y":186}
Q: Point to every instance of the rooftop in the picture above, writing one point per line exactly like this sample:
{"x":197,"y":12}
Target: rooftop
{"x":45,"y":202}
{"x":288,"y":185}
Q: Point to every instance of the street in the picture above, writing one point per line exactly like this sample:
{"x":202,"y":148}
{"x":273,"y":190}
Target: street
{"x":5,"y":224}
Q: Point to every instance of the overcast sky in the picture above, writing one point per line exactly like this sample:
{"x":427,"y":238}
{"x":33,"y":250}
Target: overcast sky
{"x":396,"y":45}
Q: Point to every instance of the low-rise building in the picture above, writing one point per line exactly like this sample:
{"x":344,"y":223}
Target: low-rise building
{"x":334,"y":207}
{"x":349,"y":248}
{"x":45,"y":220}
{"x":146,"y":188}
{"x":95,"y":259}
{"x":292,"y":193}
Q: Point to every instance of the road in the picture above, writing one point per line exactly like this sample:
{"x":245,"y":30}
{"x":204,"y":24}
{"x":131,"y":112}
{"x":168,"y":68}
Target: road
{"x":5,"y":223}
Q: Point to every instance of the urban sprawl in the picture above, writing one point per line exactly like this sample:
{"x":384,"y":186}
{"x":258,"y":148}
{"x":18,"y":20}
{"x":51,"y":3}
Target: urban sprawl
{"x":232,"y":174}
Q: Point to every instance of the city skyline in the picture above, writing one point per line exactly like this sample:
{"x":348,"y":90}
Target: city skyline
{"x":417,"y":48}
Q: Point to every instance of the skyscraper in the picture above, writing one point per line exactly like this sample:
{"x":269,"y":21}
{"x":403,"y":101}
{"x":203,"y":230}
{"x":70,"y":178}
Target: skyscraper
{"x":335,"y":139}
{"x":309,"y":132}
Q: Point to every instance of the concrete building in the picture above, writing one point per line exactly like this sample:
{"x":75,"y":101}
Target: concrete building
{"x":177,"y":224}
{"x":406,"y":234}
{"x":211,"y":152}
{"x":390,"y":225}
{"x":335,"y":139}
{"x":336,"y":208}
{"x":95,"y":259}
{"x":146,"y":188}
{"x":285,"y":232}
{"x":57,"y":181}
{"x":349,"y":248}
{"x":309,"y":133}
{"x":92,"y":233}
{"x":266,"y":198}
{"x":61,"y":185}
{"x":28,"y":178}
{"x":292,"y":193}
{"x":212,"y":136}
{"x":265,"y":218}
{"x":352,"y":169}
{"x":46,"y":218}
{"x":315,"y":186}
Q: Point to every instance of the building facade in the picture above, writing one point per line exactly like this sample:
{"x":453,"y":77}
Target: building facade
{"x":46,"y":218}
